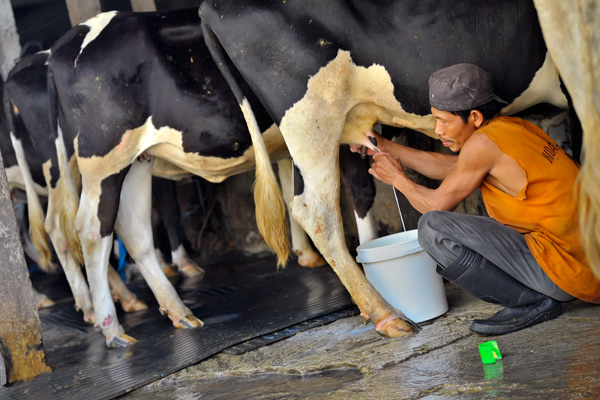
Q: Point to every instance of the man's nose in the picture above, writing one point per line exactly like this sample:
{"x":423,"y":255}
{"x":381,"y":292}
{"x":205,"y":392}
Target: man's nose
{"x":438,"y":128}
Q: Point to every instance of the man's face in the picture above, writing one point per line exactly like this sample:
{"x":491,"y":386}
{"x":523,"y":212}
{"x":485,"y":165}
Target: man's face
{"x":453,"y":131}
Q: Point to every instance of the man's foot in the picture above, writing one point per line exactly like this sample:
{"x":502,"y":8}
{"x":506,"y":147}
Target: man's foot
{"x":511,"y":319}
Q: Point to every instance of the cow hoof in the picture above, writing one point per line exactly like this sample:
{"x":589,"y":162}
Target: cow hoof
{"x":312,"y":261}
{"x":394,"y":326}
{"x":365,"y":317}
{"x":133,"y":305}
{"x":189,"y":321}
{"x":170,"y":271}
{"x":191,"y":270}
{"x":120,"y":341}
{"x":45,"y":302}
{"x":89,"y":318}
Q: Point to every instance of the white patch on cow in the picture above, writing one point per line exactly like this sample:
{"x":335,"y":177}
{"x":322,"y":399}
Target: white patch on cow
{"x":96,"y":25}
{"x":24,"y":168}
{"x":164,"y":169}
{"x":69,"y":197}
{"x":15,"y":180}
{"x":179,"y":256}
{"x":366,"y":228}
{"x":342,"y":103}
{"x":167,"y":143}
{"x":301,"y":245}
{"x":345,"y":101}
{"x":545,"y":87}
{"x":73,"y":273}
{"x":134,"y":228}
{"x":45,"y":52}
{"x":36,"y":215}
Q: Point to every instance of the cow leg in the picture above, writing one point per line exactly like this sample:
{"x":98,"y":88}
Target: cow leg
{"x":100,"y":201}
{"x":41,"y":300}
{"x":73,"y":273}
{"x":185,"y":263}
{"x":134,"y":228}
{"x":165,"y":200}
{"x":121,"y":293}
{"x":169,"y":269}
{"x":28,"y":247}
{"x":301,"y":246}
{"x":316,"y":207}
{"x":360,"y":187}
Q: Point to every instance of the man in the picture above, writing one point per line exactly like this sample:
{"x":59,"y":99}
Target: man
{"x":528,"y":256}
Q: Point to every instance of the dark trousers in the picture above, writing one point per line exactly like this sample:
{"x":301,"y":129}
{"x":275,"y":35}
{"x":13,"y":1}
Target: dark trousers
{"x":443,"y":235}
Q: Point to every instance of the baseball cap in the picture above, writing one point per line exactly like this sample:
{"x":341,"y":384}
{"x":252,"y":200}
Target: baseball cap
{"x":461,"y":87}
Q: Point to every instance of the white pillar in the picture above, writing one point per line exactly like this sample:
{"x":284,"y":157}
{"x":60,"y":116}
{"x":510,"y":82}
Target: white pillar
{"x":82,"y":10}
{"x":10,"y":48}
{"x":143,"y":5}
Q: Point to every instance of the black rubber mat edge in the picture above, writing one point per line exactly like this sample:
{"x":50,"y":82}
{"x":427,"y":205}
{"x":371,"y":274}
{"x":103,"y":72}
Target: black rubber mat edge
{"x":291,"y":331}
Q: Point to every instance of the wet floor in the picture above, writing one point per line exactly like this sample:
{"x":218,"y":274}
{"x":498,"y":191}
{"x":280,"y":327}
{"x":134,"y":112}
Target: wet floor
{"x":346,"y":359}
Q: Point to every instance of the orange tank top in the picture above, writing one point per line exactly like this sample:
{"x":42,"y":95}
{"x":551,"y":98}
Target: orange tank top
{"x":546,"y":209}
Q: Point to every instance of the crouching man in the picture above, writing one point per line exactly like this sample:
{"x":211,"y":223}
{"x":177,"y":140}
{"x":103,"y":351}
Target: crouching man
{"x":528,"y":256}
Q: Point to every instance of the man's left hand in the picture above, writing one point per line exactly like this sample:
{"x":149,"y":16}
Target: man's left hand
{"x":386,"y":167}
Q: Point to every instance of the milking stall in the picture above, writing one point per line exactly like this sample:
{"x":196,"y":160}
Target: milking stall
{"x":231,"y":199}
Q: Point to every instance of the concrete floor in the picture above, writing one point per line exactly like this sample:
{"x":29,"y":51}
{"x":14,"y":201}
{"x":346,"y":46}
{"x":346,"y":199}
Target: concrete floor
{"x":346,"y":359}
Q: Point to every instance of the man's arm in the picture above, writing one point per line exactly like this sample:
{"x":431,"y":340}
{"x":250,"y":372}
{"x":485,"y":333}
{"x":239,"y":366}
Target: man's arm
{"x":475,"y":161}
{"x":430,"y":164}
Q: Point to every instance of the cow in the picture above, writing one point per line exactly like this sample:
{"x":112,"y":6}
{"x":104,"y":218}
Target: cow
{"x":326,"y":71}
{"x":131,"y":86}
{"x":26,"y":109}
{"x":16,"y":185}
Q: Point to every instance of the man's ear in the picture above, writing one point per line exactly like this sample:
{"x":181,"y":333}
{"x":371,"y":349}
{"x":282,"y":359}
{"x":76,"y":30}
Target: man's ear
{"x":477,"y":117}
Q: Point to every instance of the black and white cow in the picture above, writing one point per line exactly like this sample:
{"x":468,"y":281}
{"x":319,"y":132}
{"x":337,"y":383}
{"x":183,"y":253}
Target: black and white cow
{"x":126,"y":85}
{"x":326,"y":71}
{"x":16,"y":186}
{"x":30,"y":139}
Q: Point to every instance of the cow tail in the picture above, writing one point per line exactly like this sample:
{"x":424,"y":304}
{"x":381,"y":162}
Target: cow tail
{"x":68,"y":201}
{"x":269,"y":205}
{"x":37,"y":232}
{"x":35,"y":212}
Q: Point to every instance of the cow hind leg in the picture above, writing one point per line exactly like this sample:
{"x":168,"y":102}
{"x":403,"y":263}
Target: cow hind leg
{"x":301,"y":245}
{"x":41,"y":300}
{"x":316,"y":207}
{"x":165,"y":200}
{"x":133,"y":225}
{"x":77,"y":282}
{"x":121,"y":293}
{"x":96,"y":240}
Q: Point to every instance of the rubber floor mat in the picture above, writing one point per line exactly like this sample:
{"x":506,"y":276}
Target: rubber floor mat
{"x":240,"y":299}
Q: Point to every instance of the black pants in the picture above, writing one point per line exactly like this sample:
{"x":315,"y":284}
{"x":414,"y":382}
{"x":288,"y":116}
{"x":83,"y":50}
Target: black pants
{"x":443,"y":235}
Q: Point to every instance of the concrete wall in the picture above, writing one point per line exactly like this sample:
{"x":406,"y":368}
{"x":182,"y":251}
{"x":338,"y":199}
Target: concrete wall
{"x":10,"y":47}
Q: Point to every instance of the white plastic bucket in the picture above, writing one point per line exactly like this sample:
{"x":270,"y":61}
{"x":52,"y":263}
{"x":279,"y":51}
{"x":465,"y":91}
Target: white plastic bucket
{"x":405,"y":275}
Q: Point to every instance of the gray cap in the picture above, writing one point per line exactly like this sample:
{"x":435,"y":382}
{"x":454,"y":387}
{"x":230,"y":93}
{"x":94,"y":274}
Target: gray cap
{"x":460,"y":87}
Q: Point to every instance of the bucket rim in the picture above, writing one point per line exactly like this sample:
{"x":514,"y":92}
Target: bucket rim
{"x":365,"y":253}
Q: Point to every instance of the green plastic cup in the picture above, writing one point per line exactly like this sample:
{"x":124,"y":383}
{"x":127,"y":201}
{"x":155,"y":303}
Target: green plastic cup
{"x":489,"y":352}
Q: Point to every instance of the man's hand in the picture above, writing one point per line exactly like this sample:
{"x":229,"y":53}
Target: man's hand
{"x":386,"y":168}
{"x":376,"y":140}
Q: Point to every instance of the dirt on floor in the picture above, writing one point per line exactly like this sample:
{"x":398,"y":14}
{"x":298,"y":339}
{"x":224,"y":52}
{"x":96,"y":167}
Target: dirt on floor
{"x":349,"y":360}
